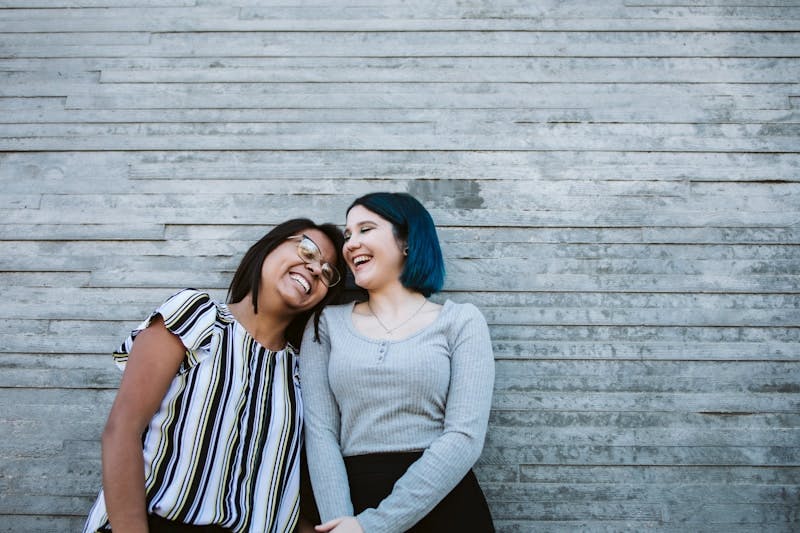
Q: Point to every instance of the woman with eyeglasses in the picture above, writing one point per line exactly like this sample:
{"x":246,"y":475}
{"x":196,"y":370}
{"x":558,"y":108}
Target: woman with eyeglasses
{"x":205,"y":432}
{"x":398,"y":389}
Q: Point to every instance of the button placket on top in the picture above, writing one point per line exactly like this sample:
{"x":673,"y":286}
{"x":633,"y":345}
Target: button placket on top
{"x":383,"y":347}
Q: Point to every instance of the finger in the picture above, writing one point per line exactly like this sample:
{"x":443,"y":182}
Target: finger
{"x":330,"y":524}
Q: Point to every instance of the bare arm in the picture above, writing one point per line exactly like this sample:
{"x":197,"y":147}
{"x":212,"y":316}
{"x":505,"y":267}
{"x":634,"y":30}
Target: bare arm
{"x":153,"y":362}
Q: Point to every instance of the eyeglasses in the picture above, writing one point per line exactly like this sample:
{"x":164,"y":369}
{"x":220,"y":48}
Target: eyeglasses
{"x":309,"y":252}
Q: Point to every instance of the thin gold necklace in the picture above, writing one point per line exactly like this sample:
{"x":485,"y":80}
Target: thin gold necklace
{"x":398,"y":326}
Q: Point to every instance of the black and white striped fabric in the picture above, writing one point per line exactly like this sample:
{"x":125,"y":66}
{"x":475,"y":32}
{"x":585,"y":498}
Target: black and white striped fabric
{"x":224,"y":446}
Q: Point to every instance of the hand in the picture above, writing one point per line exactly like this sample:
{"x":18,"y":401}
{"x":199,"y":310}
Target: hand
{"x":343,"y":524}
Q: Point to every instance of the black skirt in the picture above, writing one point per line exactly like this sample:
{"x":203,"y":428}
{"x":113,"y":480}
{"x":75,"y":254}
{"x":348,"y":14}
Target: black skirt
{"x":372,"y":478}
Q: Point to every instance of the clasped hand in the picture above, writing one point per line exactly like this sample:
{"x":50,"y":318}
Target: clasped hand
{"x":343,"y":524}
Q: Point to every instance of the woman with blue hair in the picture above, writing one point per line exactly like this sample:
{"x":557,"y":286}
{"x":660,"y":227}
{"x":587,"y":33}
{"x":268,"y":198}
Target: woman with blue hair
{"x":398,"y":389}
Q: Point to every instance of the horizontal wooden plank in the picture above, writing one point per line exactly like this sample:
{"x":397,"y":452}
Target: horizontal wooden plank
{"x":20,"y":201}
{"x":76,"y":5}
{"x":699,"y":112}
{"x":130,"y":303}
{"x":666,"y":133}
{"x":10,"y":40}
{"x":505,"y":304}
{"x":687,"y":493}
{"x":536,"y":137}
{"x":700,"y":517}
{"x":495,"y":70}
{"x":603,"y":99}
{"x":736,"y":72}
{"x":725,"y":404}
{"x":22,"y":522}
{"x":579,"y":474}
{"x":47,"y":477}
{"x":51,"y":169}
{"x":65,"y":422}
{"x":645,"y":350}
{"x":563,"y":195}
{"x":403,"y":44}
{"x":44,"y":279}
{"x":649,"y":333}
{"x":550,"y":523}
{"x":649,"y":376}
{"x":81,"y":232}
{"x":505,"y":451}
{"x":650,"y":437}
{"x":553,"y":422}
{"x":61,"y":397}
{"x":256,"y":16}
{"x":47,"y":505}
{"x":518,"y":195}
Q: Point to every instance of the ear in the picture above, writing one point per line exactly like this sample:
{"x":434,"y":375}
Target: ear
{"x":402,"y":244}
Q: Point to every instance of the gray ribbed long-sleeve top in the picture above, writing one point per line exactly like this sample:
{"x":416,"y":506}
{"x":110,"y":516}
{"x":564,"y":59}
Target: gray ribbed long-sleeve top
{"x":428,"y":392}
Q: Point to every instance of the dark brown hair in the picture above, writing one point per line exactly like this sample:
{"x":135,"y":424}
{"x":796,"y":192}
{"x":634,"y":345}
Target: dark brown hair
{"x":247,"y":279}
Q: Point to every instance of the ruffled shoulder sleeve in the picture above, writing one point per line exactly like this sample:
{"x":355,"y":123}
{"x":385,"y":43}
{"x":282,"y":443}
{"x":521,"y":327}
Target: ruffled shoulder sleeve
{"x":189,"y":314}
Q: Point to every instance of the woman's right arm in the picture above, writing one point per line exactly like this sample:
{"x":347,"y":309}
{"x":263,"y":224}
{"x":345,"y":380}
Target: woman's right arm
{"x":152,"y":364}
{"x":322,"y":424}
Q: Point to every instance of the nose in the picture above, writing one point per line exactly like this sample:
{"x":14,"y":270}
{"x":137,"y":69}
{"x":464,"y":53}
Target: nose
{"x":315,"y":267}
{"x":351,"y":243}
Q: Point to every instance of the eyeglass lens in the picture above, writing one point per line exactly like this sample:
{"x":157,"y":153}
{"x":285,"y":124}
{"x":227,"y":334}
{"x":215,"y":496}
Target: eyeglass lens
{"x":309,"y":252}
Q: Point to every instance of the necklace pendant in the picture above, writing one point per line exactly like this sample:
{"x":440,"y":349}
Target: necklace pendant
{"x":403,"y":323}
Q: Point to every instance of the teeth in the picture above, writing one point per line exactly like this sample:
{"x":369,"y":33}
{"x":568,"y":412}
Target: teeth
{"x":302,"y":281}
{"x":360,"y":259}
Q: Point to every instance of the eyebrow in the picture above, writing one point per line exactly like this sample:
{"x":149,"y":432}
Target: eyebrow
{"x":362,"y":222}
{"x":321,"y":253}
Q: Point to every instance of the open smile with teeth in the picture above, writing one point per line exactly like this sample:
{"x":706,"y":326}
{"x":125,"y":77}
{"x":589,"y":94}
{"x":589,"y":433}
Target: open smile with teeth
{"x":361,"y":259}
{"x":303,"y":282}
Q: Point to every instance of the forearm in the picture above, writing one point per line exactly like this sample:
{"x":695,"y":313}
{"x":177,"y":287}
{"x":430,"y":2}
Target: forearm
{"x":322,"y":427}
{"x":123,"y":482}
{"x":328,"y":475}
{"x":426,"y":482}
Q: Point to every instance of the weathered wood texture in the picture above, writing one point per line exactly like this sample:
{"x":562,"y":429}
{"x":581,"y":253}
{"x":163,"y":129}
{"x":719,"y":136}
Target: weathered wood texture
{"x":617,"y":186}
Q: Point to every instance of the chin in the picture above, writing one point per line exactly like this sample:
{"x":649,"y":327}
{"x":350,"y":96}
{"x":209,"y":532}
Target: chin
{"x":364,"y":284}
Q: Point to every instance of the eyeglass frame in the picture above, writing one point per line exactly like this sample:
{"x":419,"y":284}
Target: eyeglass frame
{"x":319,"y":259}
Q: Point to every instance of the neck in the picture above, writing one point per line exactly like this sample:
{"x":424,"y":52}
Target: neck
{"x":267,"y":327}
{"x":394,"y":300}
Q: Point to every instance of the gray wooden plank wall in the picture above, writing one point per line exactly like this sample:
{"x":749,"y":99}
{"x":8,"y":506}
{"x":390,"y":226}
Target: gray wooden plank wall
{"x":616,"y":183}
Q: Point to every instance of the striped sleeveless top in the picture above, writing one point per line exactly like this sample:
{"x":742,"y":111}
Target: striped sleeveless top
{"x":224,"y":446}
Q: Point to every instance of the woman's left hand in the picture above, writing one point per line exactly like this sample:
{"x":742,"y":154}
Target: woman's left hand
{"x":343,"y":524}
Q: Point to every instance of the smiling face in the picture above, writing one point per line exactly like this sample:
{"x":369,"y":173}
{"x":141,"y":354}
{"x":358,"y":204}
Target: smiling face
{"x":371,"y":249}
{"x":299,"y":284}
